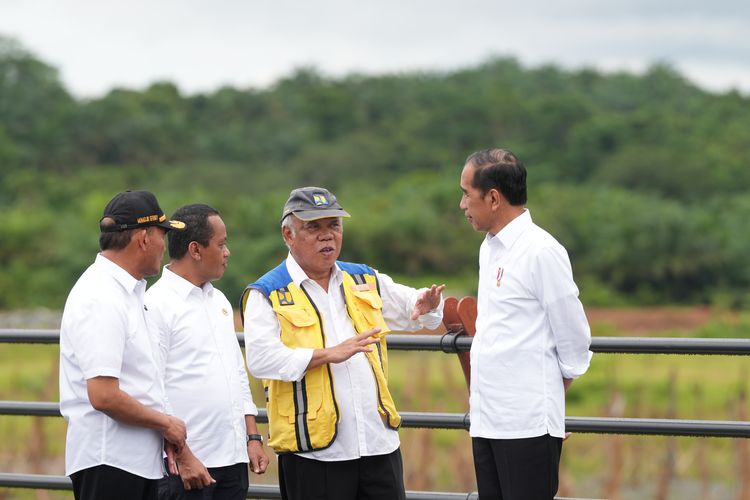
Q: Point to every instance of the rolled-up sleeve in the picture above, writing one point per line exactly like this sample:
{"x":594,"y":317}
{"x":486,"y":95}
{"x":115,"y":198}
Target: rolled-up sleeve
{"x":398,"y":304}
{"x":572,"y":336}
{"x":267,"y":356}
{"x":558,"y":293}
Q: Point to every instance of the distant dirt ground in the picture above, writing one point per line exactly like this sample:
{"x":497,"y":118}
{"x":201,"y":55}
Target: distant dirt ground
{"x":632,"y":321}
{"x":637,"y":321}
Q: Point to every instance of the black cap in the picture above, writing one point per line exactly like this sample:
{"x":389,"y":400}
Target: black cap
{"x":312,"y":203}
{"x":132,"y":209}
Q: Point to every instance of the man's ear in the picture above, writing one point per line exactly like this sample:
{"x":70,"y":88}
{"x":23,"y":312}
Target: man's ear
{"x":140,"y":237}
{"x":286,"y":233}
{"x":496,"y":198}
{"x":194,"y":250}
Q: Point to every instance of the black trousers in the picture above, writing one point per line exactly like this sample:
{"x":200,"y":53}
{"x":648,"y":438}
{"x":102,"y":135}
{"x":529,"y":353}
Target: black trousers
{"x":107,"y":482}
{"x":517,"y":469}
{"x":231,"y":484}
{"x":380,"y":477}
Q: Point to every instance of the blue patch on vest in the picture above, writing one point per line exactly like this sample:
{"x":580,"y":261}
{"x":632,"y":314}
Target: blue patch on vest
{"x":279,"y":277}
{"x":285,"y":297}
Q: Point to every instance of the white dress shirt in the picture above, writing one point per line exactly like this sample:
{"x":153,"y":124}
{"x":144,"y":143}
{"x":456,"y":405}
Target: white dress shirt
{"x":361,"y":432}
{"x":204,"y":372}
{"x":104,"y":334}
{"x":531,"y":333}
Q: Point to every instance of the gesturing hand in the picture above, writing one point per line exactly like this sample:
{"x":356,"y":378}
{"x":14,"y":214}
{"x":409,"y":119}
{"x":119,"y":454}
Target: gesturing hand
{"x":353,"y":345}
{"x":345,"y":350}
{"x":427,"y":301}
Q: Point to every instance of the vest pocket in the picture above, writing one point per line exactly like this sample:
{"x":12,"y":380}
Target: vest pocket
{"x":367,"y":307}
{"x":369,"y":297}
{"x":296,"y":316}
{"x":298,"y":327}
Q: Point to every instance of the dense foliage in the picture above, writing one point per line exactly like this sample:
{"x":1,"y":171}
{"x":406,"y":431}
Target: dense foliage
{"x":642,"y":177}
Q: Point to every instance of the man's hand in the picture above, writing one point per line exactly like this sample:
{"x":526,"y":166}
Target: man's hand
{"x":175,"y":432}
{"x":258,"y":457}
{"x":427,"y":301}
{"x":345,"y":350}
{"x":193,"y":473}
{"x":171,"y":452}
{"x":567,"y":382}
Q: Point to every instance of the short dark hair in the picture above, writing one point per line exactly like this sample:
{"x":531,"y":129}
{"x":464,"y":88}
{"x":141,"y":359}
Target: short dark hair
{"x":115,"y":240}
{"x":499,"y":169}
{"x":197,"y":228}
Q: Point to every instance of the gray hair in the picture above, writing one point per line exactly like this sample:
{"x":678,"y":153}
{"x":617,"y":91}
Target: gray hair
{"x":287,"y":223}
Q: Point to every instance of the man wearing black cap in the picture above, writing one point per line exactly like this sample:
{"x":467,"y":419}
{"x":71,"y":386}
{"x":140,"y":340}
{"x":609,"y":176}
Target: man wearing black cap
{"x":110,"y":391}
{"x":315,"y":333}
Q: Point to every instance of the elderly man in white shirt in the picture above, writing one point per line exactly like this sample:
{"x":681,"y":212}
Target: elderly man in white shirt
{"x":204,"y":371}
{"x":532,"y":336}
{"x":110,"y":391}
{"x":314,"y":331}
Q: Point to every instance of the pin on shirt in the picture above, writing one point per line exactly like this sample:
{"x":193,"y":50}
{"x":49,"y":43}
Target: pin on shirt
{"x":500,"y":272}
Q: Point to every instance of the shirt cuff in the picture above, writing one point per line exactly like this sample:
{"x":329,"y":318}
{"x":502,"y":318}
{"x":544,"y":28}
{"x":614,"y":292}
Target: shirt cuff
{"x":432,"y":319}
{"x":575,"y":371}
{"x":251,"y":409}
{"x":101,"y":371}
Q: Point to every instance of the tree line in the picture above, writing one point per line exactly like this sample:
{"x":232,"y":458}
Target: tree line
{"x":643,"y":177}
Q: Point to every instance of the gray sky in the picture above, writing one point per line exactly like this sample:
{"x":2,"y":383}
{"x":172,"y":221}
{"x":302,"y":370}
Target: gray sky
{"x":201,"y":45}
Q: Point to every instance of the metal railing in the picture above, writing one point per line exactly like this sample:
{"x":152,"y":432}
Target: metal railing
{"x":451,"y":342}
{"x":459,"y":342}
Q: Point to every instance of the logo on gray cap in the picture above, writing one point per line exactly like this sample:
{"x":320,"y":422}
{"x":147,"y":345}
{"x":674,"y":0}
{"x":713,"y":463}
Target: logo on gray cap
{"x":312,"y":203}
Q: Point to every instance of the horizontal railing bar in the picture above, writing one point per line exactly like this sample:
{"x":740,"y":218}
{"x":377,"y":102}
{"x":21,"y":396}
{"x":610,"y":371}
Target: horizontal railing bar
{"x":420,"y":420}
{"x":30,"y":408}
{"x":14,"y":336}
{"x":261,"y":491}
{"x":452,"y":343}
{"x":36,"y":481}
{"x":667,"y":345}
{"x":658,"y":427}
{"x":50,"y":482}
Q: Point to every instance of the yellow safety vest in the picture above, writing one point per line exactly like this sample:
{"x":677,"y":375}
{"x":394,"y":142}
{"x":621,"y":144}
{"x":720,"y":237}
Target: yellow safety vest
{"x":303,"y":415}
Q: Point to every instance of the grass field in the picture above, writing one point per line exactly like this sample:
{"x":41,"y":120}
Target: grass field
{"x":653,"y":386}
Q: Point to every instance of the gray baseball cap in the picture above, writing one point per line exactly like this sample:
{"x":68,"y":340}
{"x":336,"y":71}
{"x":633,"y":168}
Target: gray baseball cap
{"x":312,"y":203}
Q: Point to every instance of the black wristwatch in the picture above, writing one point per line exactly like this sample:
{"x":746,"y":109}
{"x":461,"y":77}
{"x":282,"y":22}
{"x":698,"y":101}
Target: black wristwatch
{"x":254,"y":437}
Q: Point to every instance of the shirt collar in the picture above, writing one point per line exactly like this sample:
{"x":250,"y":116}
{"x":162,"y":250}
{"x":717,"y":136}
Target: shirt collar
{"x":182,"y":287}
{"x":128,"y":282}
{"x":510,"y":233}
{"x":298,"y":275}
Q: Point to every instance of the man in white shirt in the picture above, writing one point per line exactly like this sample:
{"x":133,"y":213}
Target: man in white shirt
{"x":315,"y":332}
{"x":532,"y":337}
{"x":204,"y":371}
{"x":110,"y":391}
